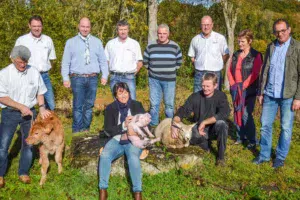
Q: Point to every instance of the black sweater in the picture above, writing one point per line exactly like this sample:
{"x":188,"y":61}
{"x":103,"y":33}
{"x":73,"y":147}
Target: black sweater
{"x":203,"y":108}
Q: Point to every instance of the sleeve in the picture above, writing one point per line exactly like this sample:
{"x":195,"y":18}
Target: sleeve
{"x":297,"y":95}
{"x":41,"y":85}
{"x":18,"y":42}
{"x":103,"y":62}
{"x":223,"y":109}
{"x":111,"y":127}
{"x":224,"y":46}
{"x":230,"y":75}
{"x":261,"y":77}
{"x":106,"y":51}
{"x":146,"y":57}
{"x":66,"y":62}
{"x":178,"y":58}
{"x":52,"y":55}
{"x":255,"y":71}
{"x":3,"y":87}
{"x":187,"y":109}
{"x":191,"y":52}
{"x":138,"y":53}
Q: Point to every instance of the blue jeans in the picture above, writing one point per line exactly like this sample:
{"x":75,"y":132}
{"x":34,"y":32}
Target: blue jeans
{"x":157,"y":90}
{"x":247,"y":131}
{"x":270,"y":107}
{"x":84,"y":93}
{"x":49,"y":95}
{"x":129,"y":79}
{"x":113,"y":150}
{"x":198,"y":79}
{"x":10,"y":119}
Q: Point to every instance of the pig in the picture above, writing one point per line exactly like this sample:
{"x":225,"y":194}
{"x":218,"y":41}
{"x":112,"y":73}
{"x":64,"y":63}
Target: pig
{"x":163,"y":133}
{"x":49,"y":133}
{"x":134,"y":131}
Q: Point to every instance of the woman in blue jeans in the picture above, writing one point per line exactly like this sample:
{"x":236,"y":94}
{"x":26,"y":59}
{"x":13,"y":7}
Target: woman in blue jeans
{"x":117,"y":117}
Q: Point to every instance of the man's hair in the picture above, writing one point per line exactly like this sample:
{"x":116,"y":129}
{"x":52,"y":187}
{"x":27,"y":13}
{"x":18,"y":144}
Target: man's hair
{"x":278,"y":21}
{"x":120,"y":86}
{"x":21,"y":52}
{"x":123,"y":22}
{"x":37,"y":18}
{"x":210,"y":76}
{"x":165,"y":26}
{"x":247,"y":33}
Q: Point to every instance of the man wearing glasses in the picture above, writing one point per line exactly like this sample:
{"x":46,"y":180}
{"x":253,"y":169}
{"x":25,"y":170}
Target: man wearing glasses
{"x":280,"y":88}
{"x":208,"y":51}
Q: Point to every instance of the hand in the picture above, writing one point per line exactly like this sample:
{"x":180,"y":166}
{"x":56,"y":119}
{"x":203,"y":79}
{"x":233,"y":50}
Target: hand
{"x":261,"y":99}
{"x":25,"y":111}
{"x":201,"y":128}
{"x":296,"y":105}
{"x":67,"y":84}
{"x":103,"y":81}
{"x":174,"y":132}
{"x":44,"y":112}
{"x":128,"y":120}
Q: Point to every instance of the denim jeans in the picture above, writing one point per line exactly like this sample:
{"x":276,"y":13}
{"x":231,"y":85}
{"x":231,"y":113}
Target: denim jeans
{"x":270,"y":107}
{"x":84,"y":93}
{"x":113,"y":150}
{"x":218,"y":131}
{"x":10,"y":119}
{"x":198,"y":79}
{"x":247,"y":131}
{"x":49,"y":95}
{"x":129,"y":79}
{"x":157,"y":90}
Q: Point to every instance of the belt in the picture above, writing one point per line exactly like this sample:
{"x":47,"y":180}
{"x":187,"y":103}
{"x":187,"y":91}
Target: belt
{"x":84,"y":75}
{"x":121,"y":73}
{"x":43,"y":72}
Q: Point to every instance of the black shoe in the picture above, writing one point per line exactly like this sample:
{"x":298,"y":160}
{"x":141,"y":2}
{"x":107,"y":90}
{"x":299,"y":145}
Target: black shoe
{"x":278,"y":163}
{"x":251,"y":146}
{"x":220,"y":162}
{"x":259,"y":161}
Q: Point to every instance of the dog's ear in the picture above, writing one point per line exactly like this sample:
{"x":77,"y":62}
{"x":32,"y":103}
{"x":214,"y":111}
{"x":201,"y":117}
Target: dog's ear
{"x":48,"y":128}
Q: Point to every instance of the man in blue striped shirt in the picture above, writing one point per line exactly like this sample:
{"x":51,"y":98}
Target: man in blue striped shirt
{"x":162,"y":58}
{"x":83,"y":60}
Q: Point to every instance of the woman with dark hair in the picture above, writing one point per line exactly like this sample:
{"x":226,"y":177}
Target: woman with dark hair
{"x":243,"y":79}
{"x":118,"y":115}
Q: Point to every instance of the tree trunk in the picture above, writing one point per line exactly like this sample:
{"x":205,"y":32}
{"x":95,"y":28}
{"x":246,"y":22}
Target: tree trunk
{"x":230,"y":14}
{"x":152,"y":20}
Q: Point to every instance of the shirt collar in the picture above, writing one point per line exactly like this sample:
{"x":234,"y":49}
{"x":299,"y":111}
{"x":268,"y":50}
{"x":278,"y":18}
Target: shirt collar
{"x":35,"y":38}
{"x":210,"y":36}
{"x":283,"y":44}
{"x":118,"y":39}
{"x":19,"y":72}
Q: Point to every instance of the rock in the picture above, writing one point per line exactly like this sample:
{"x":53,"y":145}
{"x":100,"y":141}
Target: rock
{"x":85,"y":150}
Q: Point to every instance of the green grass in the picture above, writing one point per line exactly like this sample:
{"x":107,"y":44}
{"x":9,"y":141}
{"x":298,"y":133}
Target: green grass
{"x":239,"y":179}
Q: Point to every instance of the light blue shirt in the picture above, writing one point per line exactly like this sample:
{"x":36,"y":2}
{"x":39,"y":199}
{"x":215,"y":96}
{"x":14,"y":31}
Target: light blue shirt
{"x":74,"y":61}
{"x":275,"y":85}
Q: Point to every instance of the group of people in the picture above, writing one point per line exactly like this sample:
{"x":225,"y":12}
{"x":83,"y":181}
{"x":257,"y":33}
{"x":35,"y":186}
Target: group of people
{"x":275,"y":82}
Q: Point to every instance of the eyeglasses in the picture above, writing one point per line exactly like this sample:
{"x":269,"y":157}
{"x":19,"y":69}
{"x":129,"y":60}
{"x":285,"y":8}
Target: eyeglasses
{"x":281,"y":31}
{"x":206,"y":25}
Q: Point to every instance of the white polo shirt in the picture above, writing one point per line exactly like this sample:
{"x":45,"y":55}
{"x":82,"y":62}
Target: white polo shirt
{"x":123,"y":56}
{"x":22,"y":87}
{"x":42,"y":50}
{"x":208,"y":52}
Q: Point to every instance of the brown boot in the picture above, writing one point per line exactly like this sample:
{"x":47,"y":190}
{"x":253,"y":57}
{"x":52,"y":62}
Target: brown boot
{"x":2,"y":182}
{"x":25,"y":179}
{"x":138,"y":196}
{"x":103,"y":194}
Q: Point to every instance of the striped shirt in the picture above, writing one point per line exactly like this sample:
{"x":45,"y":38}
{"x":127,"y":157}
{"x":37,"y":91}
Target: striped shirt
{"x":162,"y":60}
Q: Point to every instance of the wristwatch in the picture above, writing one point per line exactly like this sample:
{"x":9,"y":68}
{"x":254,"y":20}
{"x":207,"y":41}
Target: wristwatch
{"x":43,"y":105}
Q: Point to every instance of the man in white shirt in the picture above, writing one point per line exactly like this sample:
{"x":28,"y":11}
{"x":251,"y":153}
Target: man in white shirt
{"x":42,"y":51}
{"x":124,"y":57}
{"x":21,"y":87}
{"x":208,"y":51}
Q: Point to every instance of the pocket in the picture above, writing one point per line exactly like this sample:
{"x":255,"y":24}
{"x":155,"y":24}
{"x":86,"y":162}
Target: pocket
{"x":32,"y":91}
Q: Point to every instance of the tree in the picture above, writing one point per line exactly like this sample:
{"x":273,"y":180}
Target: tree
{"x":152,"y":19}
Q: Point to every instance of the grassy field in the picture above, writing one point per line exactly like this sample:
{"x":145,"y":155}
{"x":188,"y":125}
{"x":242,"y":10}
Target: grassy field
{"x":239,"y":179}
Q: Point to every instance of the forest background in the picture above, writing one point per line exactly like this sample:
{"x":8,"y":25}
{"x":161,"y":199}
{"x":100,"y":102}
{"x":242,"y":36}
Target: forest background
{"x":238,"y":180}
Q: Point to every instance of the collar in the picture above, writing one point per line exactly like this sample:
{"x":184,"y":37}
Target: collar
{"x":35,"y":38}
{"x":118,"y":39}
{"x":19,"y":72}
{"x":283,"y":44}
{"x":84,"y":38}
{"x":210,"y":36}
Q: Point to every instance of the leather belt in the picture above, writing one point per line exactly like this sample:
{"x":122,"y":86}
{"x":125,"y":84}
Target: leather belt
{"x":121,"y":73}
{"x":83,"y":75}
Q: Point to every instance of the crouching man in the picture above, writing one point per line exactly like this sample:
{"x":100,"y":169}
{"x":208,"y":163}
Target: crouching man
{"x":21,"y":87}
{"x":211,"y":109}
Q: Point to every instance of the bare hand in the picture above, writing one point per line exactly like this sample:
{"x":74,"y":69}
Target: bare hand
{"x":201,"y":128}
{"x":103,"y":81}
{"x":67,"y":84}
{"x":44,"y":112}
{"x":25,"y":111}
{"x":261,"y":99}
{"x":128,"y":120}
{"x":296,"y":105}
{"x":174,"y":132}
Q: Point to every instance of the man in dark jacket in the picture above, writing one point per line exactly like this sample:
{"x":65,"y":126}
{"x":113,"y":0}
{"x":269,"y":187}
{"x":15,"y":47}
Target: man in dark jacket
{"x":211,"y":109}
{"x":280,"y":88}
